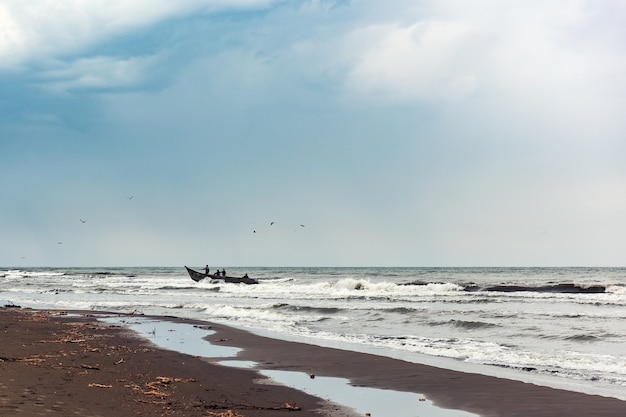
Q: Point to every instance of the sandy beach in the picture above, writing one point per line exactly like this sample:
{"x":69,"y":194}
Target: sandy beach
{"x":55,"y":363}
{"x":66,"y":365}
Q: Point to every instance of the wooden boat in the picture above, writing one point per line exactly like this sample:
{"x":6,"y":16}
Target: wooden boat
{"x":199,"y":276}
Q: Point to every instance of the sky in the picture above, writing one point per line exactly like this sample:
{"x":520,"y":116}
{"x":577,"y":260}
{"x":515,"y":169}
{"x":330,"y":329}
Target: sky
{"x":312,"y":133}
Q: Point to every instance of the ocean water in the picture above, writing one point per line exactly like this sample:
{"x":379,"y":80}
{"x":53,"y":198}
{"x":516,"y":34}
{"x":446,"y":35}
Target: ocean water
{"x":559,"y":327}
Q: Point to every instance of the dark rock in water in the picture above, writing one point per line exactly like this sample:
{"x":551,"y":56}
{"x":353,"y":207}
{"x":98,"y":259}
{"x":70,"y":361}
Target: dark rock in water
{"x":557,"y":288}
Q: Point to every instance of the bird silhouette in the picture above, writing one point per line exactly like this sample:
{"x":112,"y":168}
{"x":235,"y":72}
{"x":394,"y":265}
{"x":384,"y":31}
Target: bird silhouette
{"x":83,"y":221}
{"x":131,"y":197}
{"x":272,"y":223}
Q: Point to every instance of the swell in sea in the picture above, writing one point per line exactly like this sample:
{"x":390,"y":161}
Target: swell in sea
{"x":562,"y":327}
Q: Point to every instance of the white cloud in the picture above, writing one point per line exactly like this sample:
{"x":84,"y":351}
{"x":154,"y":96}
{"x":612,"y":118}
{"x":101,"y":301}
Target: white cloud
{"x":423,"y":60}
{"x":453,"y":49}
{"x":12,"y":39}
{"x":45,"y":29}
{"x":97,"y":72}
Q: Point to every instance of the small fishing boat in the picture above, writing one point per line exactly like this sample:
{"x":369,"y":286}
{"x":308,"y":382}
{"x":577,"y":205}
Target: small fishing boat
{"x":199,"y":276}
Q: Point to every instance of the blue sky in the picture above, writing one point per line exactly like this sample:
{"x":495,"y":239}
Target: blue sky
{"x":399,"y":133}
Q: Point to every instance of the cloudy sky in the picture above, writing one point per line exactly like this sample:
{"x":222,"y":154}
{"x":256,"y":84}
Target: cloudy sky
{"x":372,"y":133}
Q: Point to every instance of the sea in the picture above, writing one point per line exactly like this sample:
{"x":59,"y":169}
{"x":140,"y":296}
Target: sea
{"x":558,"y":327}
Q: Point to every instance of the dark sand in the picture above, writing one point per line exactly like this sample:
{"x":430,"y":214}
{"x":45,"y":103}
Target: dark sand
{"x":53,"y":364}
{"x":70,"y":366}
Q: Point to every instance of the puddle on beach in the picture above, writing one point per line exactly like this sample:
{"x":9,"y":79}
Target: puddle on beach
{"x":365,"y":400}
{"x":181,"y":337}
{"x":188,"y":338}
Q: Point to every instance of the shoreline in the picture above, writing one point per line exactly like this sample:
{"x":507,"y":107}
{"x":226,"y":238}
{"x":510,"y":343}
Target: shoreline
{"x":58,"y":364}
{"x":509,"y":373}
{"x":486,"y":396}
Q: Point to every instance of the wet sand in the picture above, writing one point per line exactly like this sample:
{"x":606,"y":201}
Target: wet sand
{"x":57,"y":364}
{"x":61,"y":365}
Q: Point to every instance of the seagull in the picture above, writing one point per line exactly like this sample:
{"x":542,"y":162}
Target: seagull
{"x":301,"y":225}
{"x":83,"y":221}
{"x":131,"y":197}
{"x":272,"y":223}
{"x":59,"y":243}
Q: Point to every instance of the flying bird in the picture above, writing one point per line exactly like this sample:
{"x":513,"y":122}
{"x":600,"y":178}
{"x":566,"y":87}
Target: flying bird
{"x":272,"y":223}
{"x":59,"y":243}
{"x":83,"y":221}
{"x":131,"y":197}
{"x":301,"y":225}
